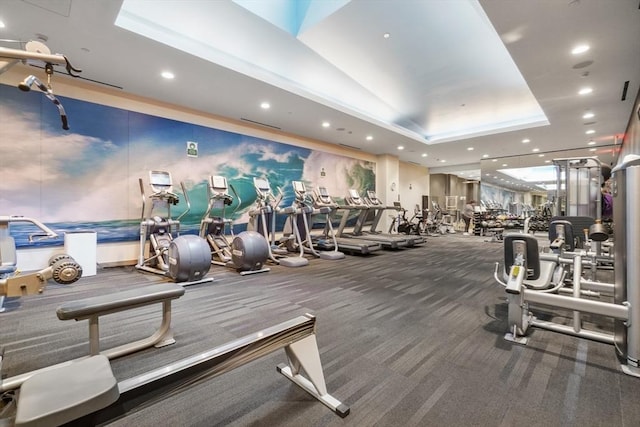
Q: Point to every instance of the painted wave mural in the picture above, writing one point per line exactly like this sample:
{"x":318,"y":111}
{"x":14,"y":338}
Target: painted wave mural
{"x":88,"y":178}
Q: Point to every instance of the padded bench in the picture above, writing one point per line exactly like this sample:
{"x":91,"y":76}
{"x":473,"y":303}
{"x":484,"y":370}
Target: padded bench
{"x":94,"y":307}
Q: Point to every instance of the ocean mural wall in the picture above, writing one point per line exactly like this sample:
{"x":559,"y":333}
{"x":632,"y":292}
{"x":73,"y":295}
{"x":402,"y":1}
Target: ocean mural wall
{"x":87,"y":178}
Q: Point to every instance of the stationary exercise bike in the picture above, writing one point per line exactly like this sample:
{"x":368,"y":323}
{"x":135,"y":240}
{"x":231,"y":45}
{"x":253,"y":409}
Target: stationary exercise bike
{"x":62,"y":268}
{"x":248,"y":251}
{"x":182,"y":258}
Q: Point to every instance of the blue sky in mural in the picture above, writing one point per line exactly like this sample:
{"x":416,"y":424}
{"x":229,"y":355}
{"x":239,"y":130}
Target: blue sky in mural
{"x":87,"y":177}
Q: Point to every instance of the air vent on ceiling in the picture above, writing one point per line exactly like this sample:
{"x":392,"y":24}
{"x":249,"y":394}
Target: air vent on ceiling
{"x":415,"y":163}
{"x":259,"y":123}
{"x":625,"y":88}
{"x":350,"y":146}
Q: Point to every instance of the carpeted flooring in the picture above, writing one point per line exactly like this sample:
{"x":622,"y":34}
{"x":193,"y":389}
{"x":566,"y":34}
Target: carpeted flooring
{"x":407,"y":338}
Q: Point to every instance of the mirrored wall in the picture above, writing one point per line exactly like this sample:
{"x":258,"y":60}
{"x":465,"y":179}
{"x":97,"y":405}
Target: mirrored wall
{"x":529,"y":182}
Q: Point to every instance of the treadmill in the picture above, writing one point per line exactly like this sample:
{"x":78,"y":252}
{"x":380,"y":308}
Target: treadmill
{"x":322,"y":199}
{"x":375,"y":203}
{"x":355,"y":202}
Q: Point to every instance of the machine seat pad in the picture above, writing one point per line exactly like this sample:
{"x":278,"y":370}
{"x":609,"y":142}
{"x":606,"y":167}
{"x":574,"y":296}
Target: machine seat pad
{"x":546,"y":276}
{"x":111,"y":303}
{"x":64,"y":394}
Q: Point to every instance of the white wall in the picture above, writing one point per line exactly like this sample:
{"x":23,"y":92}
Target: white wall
{"x":414,"y":183}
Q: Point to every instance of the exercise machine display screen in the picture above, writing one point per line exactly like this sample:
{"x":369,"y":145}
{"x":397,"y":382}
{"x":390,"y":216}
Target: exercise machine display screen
{"x":219,"y":183}
{"x":299,"y":187}
{"x":160,"y":180}
{"x":262,"y":185}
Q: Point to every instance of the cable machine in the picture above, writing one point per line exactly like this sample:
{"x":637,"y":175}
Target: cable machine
{"x":578,"y":185}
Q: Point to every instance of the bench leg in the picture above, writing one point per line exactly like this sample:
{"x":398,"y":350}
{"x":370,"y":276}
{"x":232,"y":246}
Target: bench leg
{"x":304,"y":356}
{"x":94,"y":336}
{"x":167,"y":336}
{"x":163,"y":336}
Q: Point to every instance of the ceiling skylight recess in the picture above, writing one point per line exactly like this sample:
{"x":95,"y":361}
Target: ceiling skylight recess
{"x":329,"y":51}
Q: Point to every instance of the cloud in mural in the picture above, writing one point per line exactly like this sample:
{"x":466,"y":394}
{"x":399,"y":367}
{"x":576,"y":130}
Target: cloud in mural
{"x":268,"y":152}
{"x":39,"y":164}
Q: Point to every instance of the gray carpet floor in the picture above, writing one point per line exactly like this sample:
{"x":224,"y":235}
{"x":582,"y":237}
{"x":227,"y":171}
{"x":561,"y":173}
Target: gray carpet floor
{"x":407,"y":338}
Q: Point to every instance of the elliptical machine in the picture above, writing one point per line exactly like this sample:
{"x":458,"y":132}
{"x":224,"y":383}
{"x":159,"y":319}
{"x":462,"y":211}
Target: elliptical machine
{"x":248,"y":251}
{"x":263,"y":220}
{"x":62,"y":268}
{"x":183,"y":258}
{"x":302,"y":219}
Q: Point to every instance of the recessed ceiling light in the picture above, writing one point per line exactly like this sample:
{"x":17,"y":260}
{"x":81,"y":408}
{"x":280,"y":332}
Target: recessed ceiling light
{"x":526,"y":141}
{"x":585,"y":91}
{"x":167,"y":75}
{"x":2,"y":24}
{"x":265,"y":105}
{"x":494,"y":160}
{"x":547,"y":161}
{"x":540,"y":155}
{"x":469,"y":148}
{"x":535,"y":150}
{"x":590,"y":132}
{"x":326,"y":124}
{"x":442,"y":160}
{"x":581,"y":48}
{"x":424,"y":154}
{"x":400,"y":147}
{"x":588,"y":115}
{"x":592,"y":149}
{"x":386,"y":35}
{"x":484,"y":156}
{"x":591,"y":143}
{"x":369,"y":138}
{"x":504,"y":165}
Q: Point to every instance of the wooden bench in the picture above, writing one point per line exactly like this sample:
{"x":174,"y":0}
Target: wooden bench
{"x":92,"y":308}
